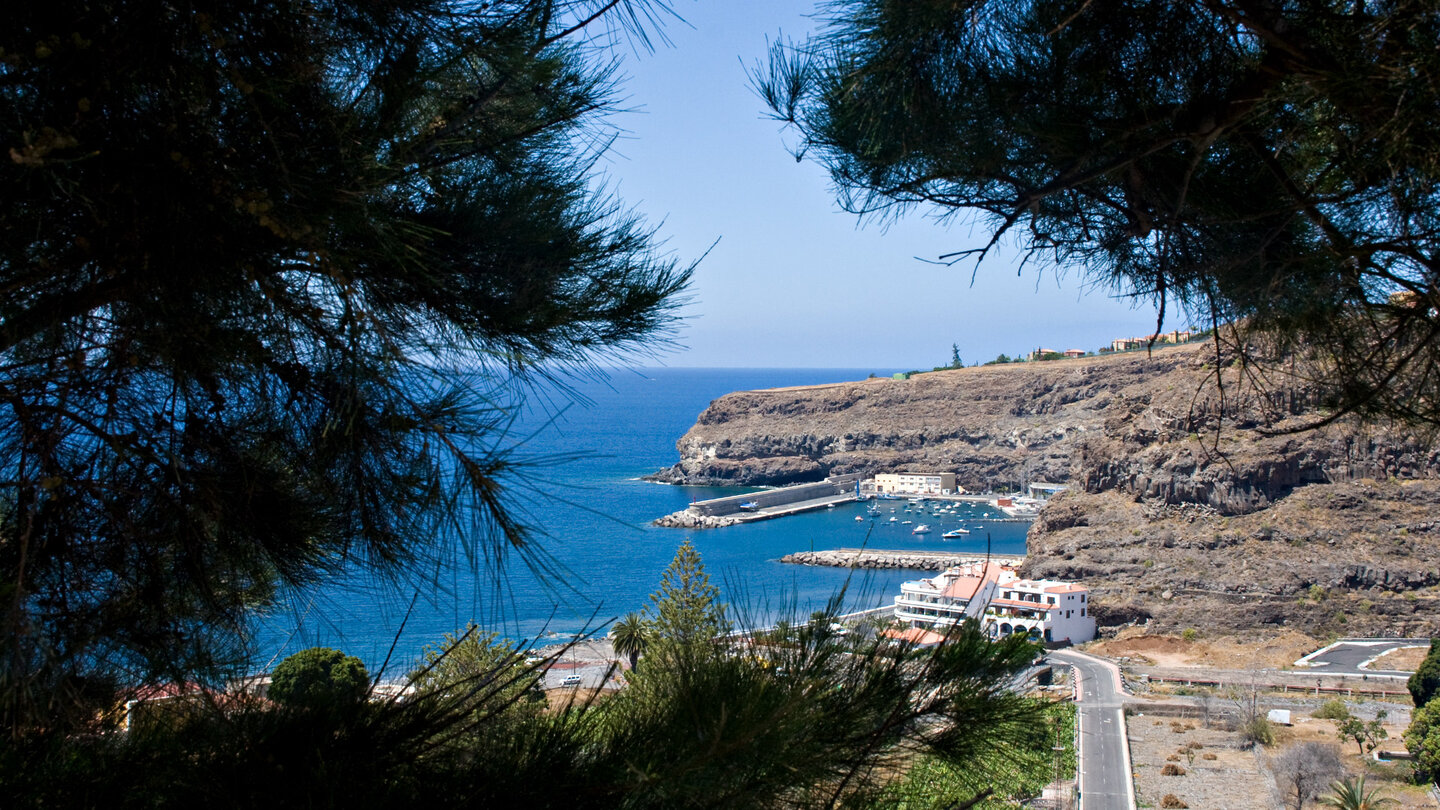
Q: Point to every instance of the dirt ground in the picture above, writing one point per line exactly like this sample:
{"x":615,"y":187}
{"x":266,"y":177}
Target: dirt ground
{"x":1391,"y":779}
{"x":1405,"y":659}
{"x":561,"y":699}
{"x":1232,"y":780}
{"x":1236,"y":779}
{"x":1278,"y":651}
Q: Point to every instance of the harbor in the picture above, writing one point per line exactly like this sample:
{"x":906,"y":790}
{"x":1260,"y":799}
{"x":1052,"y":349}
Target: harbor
{"x":834,"y":490}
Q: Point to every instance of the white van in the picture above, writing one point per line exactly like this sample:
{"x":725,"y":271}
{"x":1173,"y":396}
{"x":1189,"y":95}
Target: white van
{"x":570,"y":680}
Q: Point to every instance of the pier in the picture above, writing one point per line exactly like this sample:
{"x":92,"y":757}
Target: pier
{"x":883,"y":558}
{"x":769,"y":503}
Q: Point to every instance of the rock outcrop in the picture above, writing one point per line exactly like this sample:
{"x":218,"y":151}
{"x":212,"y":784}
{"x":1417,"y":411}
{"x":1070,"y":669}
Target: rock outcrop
{"x":1191,"y":503}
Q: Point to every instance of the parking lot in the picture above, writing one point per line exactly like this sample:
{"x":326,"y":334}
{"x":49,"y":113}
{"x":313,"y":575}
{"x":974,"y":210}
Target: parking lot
{"x":1357,"y":656}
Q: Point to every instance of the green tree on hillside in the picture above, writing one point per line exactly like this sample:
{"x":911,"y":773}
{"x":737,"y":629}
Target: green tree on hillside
{"x":1367,"y":735}
{"x":319,"y":678}
{"x":686,"y":612}
{"x":476,"y":673}
{"x":812,"y":721}
{"x":272,"y":279}
{"x":1422,"y":740}
{"x":1424,"y":682}
{"x":1273,"y":167}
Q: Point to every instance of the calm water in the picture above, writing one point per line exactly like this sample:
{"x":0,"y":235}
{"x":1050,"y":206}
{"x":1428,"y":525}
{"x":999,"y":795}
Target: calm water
{"x":596,"y":512}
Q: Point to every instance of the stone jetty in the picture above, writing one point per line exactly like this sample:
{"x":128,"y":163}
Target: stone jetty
{"x":688,"y":519}
{"x":879,"y":558}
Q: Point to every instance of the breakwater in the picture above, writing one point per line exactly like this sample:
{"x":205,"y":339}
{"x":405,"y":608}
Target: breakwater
{"x":772,"y":503}
{"x":881,"y":558}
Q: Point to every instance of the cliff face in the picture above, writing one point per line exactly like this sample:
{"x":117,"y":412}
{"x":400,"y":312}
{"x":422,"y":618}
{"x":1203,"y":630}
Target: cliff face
{"x":1136,"y":423}
{"x":1184,"y":505}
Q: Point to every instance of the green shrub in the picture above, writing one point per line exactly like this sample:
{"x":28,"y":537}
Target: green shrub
{"x":1257,"y":732}
{"x":1332,"y":709}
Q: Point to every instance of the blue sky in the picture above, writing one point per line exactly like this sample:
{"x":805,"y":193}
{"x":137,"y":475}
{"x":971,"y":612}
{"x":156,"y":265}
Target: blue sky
{"x":793,"y":281}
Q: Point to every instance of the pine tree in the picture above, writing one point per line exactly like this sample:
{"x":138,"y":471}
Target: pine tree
{"x":1273,"y":167}
{"x":687,"y":612}
{"x":273,"y":277}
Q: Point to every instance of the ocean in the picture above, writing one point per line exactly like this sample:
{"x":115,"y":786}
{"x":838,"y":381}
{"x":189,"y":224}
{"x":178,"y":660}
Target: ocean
{"x":602,"y":558}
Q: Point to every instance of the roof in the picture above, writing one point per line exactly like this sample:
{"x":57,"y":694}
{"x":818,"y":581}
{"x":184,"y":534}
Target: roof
{"x":1066,"y":587}
{"x":916,"y":635}
{"x":963,"y":588}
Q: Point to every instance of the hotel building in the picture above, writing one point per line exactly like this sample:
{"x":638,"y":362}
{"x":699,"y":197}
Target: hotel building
{"x":1004,"y":604}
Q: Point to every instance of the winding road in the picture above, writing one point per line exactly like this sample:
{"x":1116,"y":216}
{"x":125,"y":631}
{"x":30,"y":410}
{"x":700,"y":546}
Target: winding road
{"x":1103,"y":765}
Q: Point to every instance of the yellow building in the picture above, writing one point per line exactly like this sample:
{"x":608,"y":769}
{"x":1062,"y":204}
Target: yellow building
{"x":917,"y":483}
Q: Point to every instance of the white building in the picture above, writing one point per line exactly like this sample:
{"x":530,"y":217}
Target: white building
{"x":947,"y":598}
{"x":917,"y":483}
{"x":1004,"y":604}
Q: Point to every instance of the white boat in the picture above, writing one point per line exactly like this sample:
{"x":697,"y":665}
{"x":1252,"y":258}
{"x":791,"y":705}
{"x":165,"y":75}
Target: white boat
{"x":906,"y":522}
{"x":859,"y":518}
{"x":921,"y":529}
{"x":955,"y":534}
{"x":893,"y":519}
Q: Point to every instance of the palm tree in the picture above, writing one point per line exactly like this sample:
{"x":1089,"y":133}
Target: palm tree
{"x":1350,"y":794}
{"x":630,"y":636}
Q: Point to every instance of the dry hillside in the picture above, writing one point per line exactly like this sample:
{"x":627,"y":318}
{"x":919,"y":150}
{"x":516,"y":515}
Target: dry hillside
{"x":1189,"y":502}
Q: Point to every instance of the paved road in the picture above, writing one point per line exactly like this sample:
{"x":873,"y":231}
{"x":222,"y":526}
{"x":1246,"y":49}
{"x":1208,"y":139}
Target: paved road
{"x":1345,"y":656}
{"x":1104,"y":756}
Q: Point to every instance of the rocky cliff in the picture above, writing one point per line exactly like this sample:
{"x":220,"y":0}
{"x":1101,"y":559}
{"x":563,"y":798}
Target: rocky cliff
{"x":1190,"y":504}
